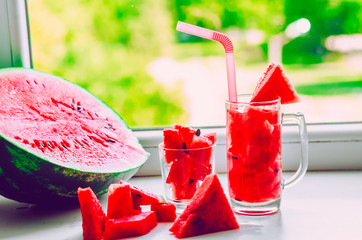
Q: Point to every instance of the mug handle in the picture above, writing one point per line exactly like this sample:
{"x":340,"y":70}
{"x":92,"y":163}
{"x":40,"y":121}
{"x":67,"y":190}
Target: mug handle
{"x":303,"y":165}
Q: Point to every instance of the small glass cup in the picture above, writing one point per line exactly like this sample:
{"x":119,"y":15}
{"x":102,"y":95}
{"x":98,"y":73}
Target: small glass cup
{"x":254,"y":158}
{"x":183,"y":171}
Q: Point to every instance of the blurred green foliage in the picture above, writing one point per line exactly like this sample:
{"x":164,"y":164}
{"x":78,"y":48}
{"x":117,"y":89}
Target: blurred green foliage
{"x":106,"y":46}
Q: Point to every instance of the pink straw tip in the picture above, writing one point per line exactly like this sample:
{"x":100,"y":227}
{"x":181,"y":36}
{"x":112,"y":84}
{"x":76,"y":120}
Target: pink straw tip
{"x":194,"y":30}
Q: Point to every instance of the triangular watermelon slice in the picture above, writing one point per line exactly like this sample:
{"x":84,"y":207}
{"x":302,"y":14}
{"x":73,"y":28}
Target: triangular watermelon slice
{"x":119,"y":201}
{"x":209,"y":211}
{"x":140,"y":197}
{"x":274,"y":84}
{"x":93,"y":216}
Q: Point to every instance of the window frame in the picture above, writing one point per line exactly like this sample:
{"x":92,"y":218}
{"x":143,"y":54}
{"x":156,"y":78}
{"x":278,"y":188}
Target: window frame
{"x":332,"y":146}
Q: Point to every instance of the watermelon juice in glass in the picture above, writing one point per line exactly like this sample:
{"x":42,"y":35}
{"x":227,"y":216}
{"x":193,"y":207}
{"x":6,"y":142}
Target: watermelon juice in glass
{"x":254,"y":159}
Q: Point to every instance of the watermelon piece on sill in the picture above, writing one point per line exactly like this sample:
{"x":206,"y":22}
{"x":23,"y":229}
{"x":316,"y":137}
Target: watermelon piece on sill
{"x":140,"y":197}
{"x":55,"y":137}
{"x":165,"y":212}
{"x":130,"y":226}
{"x":119,"y":201}
{"x":274,"y":84}
{"x":208,"y":211}
{"x":93,"y":217}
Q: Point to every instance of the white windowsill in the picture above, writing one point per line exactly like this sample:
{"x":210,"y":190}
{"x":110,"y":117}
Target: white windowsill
{"x":324,"y":205}
{"x":332,"y":146}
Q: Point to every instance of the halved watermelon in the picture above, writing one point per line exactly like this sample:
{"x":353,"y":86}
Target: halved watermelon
{"x":93,"y":217}
{"x":209,"y":211}
{"x":55,"y":137}
{"x":274,"y":84}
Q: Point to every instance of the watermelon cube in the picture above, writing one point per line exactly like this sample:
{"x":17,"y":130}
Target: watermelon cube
{"x":130,"y":226}
{"x":140,"y":197}
{"x":187,"y":134}
{"x":93,"y":217}
{"x":119,"y":201}
{"x":208,"y":211}
{"x":165,"y":212}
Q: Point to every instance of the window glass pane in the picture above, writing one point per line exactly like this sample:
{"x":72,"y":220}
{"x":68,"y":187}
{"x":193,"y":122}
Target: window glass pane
{"x":129,"y":54}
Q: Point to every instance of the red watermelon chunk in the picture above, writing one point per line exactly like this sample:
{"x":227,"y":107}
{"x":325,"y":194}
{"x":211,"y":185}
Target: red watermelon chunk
{"x":119,"y":201}
{"x":130,"y":226}
{"x":165,"y":212}
{"x":274,"y":84}
{"x":140,"y":197}
{"x":93,"y":217}
{"x":187,"y":134}
{"x":209,"y":211}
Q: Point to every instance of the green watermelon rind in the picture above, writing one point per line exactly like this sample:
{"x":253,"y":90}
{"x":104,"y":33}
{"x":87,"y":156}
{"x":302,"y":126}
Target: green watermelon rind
{"x":35,"y":182}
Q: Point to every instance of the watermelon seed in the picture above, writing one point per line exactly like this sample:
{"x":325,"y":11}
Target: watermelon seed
{"x":42,"y":144}
{"x":191,"y":181}
{"x":138,"y":195}
{"x":276,"y":170}
{"x":79,"y":108}
{"x":184,"y":147}
{"x":111,"y":140}
{"x":234,"y":157}
{"x":90,"y":138}
{"x":110,"y":127}
{"x":198,"y":132}
{"x":64,"y":146}
{"x":50,"y":145}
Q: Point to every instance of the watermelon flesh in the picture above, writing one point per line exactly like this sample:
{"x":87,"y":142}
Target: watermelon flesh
{"x":140,"y":197}
{"x":254,"y":154}
{"x":189,"y":158}
{"x":93,"y":217}
{"x":274,"y":84}
{"x":131,"y":226}
{"x":119,"y":201}
{"x":208,"y":211}
{"x":165,"y":212}
{"x":56,"y":136}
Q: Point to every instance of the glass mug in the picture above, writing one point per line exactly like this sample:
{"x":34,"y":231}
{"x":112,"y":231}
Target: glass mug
{"x":254,"y":158}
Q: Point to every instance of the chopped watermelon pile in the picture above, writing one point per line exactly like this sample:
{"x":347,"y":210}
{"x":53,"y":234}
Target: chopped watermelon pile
{"x":125,"y":217}
{"x":209,"y":211}
{"x":189,"y":156}
{"x":254,"y":143}
{"x":274,"y":84}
